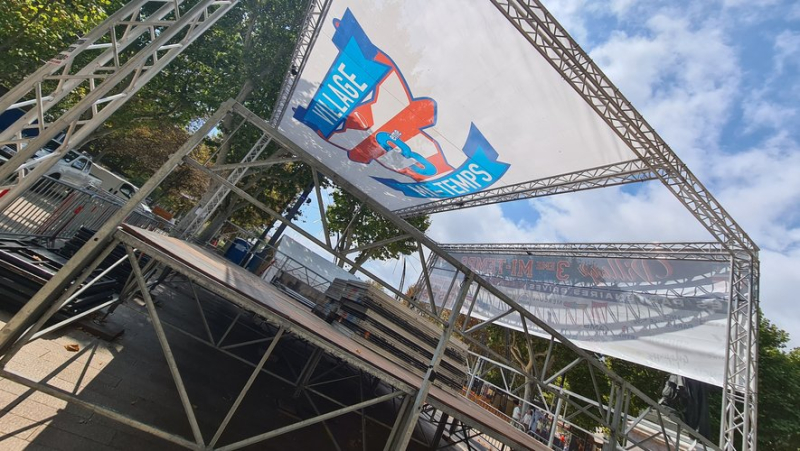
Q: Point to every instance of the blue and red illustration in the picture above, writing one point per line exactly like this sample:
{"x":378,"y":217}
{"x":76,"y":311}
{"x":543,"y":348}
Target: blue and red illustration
{"x":365,"y":107}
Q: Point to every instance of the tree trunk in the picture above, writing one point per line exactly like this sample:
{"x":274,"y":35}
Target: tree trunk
{"x":219,"y":220}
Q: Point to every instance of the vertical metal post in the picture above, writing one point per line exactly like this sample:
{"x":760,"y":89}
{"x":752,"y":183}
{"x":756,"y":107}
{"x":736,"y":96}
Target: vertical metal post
{"x":616,"y":427}
{"x":402,"y":415}
{"x":404,"y":436}
{"x":162,"y":339}
{"x":554,"y":426}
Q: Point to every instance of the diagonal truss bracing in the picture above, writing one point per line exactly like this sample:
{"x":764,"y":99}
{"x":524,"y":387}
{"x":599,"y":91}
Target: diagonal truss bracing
{"x":465,"y":282}
{"x":609,"y":175}
{"x":308,"y":33}
{"x":540,"y":28}
{"x":102,"y":85}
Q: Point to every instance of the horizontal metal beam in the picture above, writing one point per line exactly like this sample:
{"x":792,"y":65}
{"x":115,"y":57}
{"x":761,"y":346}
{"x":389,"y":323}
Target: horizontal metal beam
{"x":609,"y":175}
{"x":678,"y":251}
{"x":310,"y":421}
{"x":252,"y":164}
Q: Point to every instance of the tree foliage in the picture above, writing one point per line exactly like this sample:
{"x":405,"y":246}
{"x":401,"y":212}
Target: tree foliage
{"x":33,"y":31}
{"x":139,"y":152}
{"x":357,"y":225}
{"x":778,"y":390}
{"x":243,"y":56}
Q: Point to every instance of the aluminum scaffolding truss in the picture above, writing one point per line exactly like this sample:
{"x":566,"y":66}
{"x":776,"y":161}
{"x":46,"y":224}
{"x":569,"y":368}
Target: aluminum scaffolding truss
{"x":609,"y":175}
{"x":81,"y":87}
{"x":85,"y":94}
{"x":541,"y":29}
{"x":677,"y":251}
{"x":741,"y":368}
{"x":621,"y":392}
{"x":194,"y":221}
{"x":606,"y":407}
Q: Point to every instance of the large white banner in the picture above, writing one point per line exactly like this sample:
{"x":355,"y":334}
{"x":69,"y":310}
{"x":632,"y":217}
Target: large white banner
{"x":665,"y":314}
{"x":414,"y":101}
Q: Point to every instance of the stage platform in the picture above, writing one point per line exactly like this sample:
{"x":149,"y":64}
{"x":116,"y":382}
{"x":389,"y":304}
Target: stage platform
{"x":249,"y":292}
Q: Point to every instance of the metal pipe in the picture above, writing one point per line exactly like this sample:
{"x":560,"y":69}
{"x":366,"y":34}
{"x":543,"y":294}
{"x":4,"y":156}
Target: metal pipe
{"x":162,"y":339}
{"x":309,"y":422}
{"x":246,"y":387}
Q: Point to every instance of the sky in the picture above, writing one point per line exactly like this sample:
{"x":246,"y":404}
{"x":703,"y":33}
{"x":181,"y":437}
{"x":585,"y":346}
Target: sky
{"x":720,"y":82}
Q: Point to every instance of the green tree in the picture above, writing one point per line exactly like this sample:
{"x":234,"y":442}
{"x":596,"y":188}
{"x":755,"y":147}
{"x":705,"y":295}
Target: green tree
{"x":356,"y":225}
{"x":33,"y":31}
{"x":778,"y":390}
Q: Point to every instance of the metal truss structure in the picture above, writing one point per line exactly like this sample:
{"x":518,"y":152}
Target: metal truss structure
{"x":308,"y":34}
{"x":676,"y":251}
{"x":122,"y":68}
{"x":607,"y":408}
{"x":609,"y":175}
{"x":547,"y":36}
{"x":76,"y":91}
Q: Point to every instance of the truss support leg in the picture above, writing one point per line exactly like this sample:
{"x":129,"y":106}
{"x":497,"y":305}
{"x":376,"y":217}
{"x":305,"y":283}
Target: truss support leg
{"x":616,"y":426}
{"x":162,"y":339}
{"x":48,"y":294}
{"x":307,"y":371}
{"x":402,"y":416}
{"x":404,"y":436}
{"x":554,"y":426}
{"x":437,"y":437}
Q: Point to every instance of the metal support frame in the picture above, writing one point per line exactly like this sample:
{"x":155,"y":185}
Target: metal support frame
{"x":123,"y":74}
{"x":315,"y":381}
{"x":603,"y":176}
{"x":167,"y":37}
{"x":308,"y":35}
{"x":404,"y":435}
{"x":740,"y":392}
{"x":195,"y":219}
{"x":675,"y":251}
{"x":458,"y":267}
{"x":209,"y":204}
{"x":45,"y":297}
{"x":472,"y":284}
{"x":739,"y":409}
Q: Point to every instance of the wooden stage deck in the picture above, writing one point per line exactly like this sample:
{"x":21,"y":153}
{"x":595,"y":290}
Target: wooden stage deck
{"x":253,"y":294}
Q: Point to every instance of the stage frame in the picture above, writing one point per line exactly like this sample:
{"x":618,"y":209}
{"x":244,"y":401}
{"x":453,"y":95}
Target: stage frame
{"x":176,"y":24}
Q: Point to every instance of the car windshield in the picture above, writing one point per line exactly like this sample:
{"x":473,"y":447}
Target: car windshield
{"x":126,"y":190}
{"x":71,"y":155}
{"x":79,"y":164}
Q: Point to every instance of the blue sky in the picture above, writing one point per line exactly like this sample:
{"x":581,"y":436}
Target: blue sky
{"x":720,"y":82}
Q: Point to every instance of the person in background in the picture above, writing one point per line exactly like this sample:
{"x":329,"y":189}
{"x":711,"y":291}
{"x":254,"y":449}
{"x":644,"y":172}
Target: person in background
{"x":526,"y":420}
{"x":515,"y":414}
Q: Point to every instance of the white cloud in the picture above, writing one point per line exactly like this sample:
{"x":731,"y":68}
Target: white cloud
{"x":787,"y":50}
{"x":682,"y":77}
{"x":780,"y":277}
{"x":479,"y":225}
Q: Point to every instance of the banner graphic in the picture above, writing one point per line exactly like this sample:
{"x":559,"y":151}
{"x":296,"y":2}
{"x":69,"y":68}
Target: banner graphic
{"x":345,"y":101}
{"x":666,"y":314}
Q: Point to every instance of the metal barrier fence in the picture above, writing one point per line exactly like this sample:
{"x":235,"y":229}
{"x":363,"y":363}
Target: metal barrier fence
{"x":53,"y":209}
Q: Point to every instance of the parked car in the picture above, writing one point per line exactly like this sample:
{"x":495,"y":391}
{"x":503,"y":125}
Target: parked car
{"x":73,"y":168}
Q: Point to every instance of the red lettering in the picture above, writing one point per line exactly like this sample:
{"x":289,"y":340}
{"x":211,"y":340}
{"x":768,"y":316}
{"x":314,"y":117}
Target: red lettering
{"x":525,"y":269}
{"x":560,"y":270}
